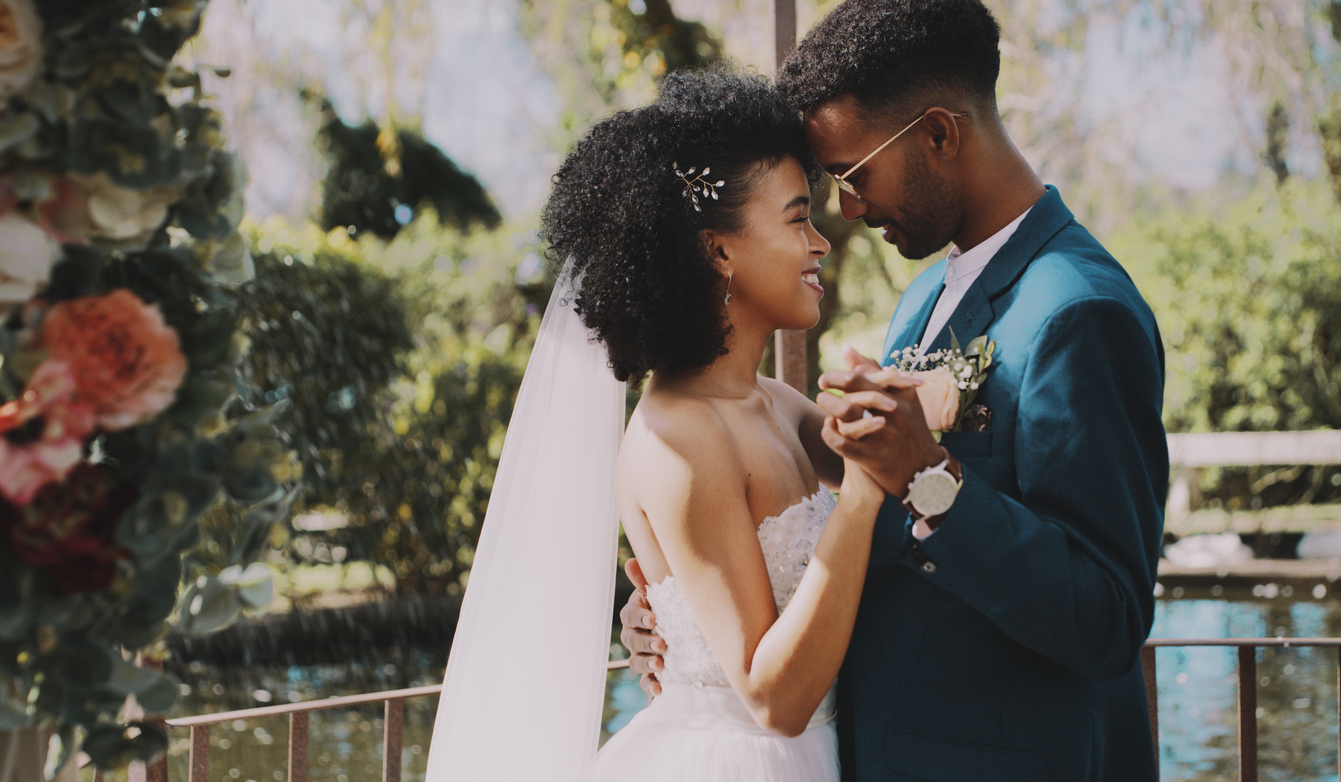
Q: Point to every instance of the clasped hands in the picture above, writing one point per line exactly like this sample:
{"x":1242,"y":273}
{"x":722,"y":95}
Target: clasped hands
{"x":877,"y":422}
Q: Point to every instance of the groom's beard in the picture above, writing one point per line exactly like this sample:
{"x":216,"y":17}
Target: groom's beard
{"x":930,"y":218}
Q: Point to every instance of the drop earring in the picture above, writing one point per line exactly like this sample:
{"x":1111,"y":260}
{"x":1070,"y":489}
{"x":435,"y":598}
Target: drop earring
{"x":727,"y":300}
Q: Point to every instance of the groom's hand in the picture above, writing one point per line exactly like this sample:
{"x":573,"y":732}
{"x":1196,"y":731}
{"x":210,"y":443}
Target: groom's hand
{"x":638,"y":620}
{"x":893,"y":453}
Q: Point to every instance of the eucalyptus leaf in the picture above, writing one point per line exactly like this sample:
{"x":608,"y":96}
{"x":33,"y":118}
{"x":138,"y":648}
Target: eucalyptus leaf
{"x":209,"y":341}
{"x":137,"y":635}
{"x":182,"y":78}
{"x":207,"y":606}
{"x":199,"y":399}
{"x":159,"y":696}
{"x":17,"y":129}
{"x":259,"y":522}
{"x":253,"y":584}
{"x":17,"y":621}
{"x":130,"y":679}
{"x":106,"y":745}
{"x":231,"y":262}
{"x":150,"y":744}
{"x":82,"y":666}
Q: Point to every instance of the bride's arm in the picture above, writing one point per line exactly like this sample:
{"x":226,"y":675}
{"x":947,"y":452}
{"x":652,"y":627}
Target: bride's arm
{"x":693,"y":493}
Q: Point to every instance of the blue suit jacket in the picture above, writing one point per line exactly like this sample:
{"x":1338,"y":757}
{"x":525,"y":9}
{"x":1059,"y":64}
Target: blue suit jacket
{"x":1006,"y":645}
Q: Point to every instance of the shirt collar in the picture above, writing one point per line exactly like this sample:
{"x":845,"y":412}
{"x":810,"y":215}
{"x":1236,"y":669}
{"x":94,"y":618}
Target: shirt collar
{"x":962,"y":264}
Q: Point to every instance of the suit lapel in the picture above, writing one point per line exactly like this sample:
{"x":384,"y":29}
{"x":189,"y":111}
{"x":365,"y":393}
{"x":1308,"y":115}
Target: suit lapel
{"x":912,"y":332}
{"x":968,"y":320}
{"x":911,"y":316}
{"x":975,"y":312}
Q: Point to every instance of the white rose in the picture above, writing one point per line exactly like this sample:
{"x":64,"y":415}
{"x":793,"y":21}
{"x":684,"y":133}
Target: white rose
{"x":20,"y":45}
{"x":124,"y":215}
{"x":26,"y":257}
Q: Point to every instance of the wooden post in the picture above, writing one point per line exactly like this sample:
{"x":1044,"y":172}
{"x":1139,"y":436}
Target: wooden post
{"x":298,"y":726}
{"x":1247,"y":714}
{"x":1151,"y":694}
{"x":392,"y":727}
{"x":200,"y":753}
{"x":789,"y":347}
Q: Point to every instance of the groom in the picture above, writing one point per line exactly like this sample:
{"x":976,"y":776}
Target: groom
{"x":999,"y":638}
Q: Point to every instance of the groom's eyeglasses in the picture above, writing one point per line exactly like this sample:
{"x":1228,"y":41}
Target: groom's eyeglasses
{"x":841,"y":179}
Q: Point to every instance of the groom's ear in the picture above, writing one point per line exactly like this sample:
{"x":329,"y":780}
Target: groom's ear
{"x":943,"y":132}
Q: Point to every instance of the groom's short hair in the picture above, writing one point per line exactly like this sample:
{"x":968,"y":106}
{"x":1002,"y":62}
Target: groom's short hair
{"x":889,"y":53}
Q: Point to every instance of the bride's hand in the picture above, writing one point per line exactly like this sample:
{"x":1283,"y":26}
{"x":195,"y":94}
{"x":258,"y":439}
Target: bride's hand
{"x":858,"y":484}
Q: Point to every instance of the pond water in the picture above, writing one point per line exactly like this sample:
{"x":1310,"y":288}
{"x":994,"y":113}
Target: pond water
{"x":1297,"y":697}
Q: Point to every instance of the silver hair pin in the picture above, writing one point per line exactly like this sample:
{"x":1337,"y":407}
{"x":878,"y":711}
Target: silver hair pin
{"x":698,"y":186}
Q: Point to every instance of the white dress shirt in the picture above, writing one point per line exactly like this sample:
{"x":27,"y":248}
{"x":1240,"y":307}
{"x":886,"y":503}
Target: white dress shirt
{"x":961,"y":271}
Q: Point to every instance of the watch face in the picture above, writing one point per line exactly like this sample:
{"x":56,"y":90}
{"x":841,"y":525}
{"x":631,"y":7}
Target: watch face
{"x":933,"y":494}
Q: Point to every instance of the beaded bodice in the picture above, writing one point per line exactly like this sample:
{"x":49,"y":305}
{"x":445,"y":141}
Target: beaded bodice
{"x":788,"y":539}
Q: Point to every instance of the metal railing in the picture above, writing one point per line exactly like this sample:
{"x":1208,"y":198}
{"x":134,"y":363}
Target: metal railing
{"x":1246,"y":674}
{"x":393,"y":728}
{"x":394,"y":710}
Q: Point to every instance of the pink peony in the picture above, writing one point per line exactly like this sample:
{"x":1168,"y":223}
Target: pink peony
{"x":42,"y":432}
{"x":126,"y":360}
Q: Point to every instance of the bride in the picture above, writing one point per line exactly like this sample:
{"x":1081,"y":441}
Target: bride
{"x":686,"y":240}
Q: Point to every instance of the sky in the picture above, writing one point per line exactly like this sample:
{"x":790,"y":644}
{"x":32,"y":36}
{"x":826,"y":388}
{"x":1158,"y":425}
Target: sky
{"x":487,"y":102}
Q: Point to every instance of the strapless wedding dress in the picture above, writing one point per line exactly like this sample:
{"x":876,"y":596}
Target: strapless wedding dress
{"x":698,"y":729}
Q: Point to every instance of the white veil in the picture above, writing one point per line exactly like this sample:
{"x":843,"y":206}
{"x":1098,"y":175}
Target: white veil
{"x":525,"y":682}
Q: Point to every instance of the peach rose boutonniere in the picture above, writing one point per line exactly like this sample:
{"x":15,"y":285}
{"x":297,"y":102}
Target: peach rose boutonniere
{"x":950,"y":379}
{"x":126,"y":360}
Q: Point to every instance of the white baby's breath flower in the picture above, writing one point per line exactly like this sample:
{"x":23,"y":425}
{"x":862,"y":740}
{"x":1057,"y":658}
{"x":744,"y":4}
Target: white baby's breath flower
{"x":20,"y":45}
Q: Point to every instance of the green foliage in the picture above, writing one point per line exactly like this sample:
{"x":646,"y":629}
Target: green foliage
{"x":402,"y":364}
{"x":113,"y":148}
{"x":1249,"y":305}
{"x":379,"y":190}
{"x":631,"y":46}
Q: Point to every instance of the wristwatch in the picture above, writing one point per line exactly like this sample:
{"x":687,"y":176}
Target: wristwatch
{"x":932,"y":491}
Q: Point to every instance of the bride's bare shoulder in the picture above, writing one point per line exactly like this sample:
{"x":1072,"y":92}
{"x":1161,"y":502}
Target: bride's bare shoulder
{"x":675,"y":439}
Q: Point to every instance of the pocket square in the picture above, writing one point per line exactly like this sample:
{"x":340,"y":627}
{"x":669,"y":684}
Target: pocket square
{"x":977,"y":418}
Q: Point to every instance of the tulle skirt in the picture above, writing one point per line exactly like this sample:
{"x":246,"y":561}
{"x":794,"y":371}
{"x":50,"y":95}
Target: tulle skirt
{"x":705,"y":734}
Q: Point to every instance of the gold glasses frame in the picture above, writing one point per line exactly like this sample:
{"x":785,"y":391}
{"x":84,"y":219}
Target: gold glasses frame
{"x":841,"y":179}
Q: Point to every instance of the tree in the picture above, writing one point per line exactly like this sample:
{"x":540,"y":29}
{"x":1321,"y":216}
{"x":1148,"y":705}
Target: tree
{"x":366,"y":189}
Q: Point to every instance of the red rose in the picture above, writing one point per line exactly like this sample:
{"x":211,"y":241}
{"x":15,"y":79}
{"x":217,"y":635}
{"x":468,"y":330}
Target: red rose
{"x":69,"y":529}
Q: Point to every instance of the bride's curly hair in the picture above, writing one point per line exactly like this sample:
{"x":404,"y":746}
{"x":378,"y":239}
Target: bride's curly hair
{"x":645,"y":283}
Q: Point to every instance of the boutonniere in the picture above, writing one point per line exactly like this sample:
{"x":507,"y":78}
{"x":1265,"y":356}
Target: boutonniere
{"x":950,"y":382}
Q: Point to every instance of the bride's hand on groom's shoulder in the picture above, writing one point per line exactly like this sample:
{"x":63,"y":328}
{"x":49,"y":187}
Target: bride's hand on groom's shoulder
{"x":892,"y":450}
{"x":645,"y":647}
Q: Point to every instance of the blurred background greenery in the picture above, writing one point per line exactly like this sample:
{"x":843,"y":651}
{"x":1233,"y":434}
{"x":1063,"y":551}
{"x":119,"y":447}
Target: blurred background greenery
{"x":401,"y":280}
{"x":399,"y":152}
